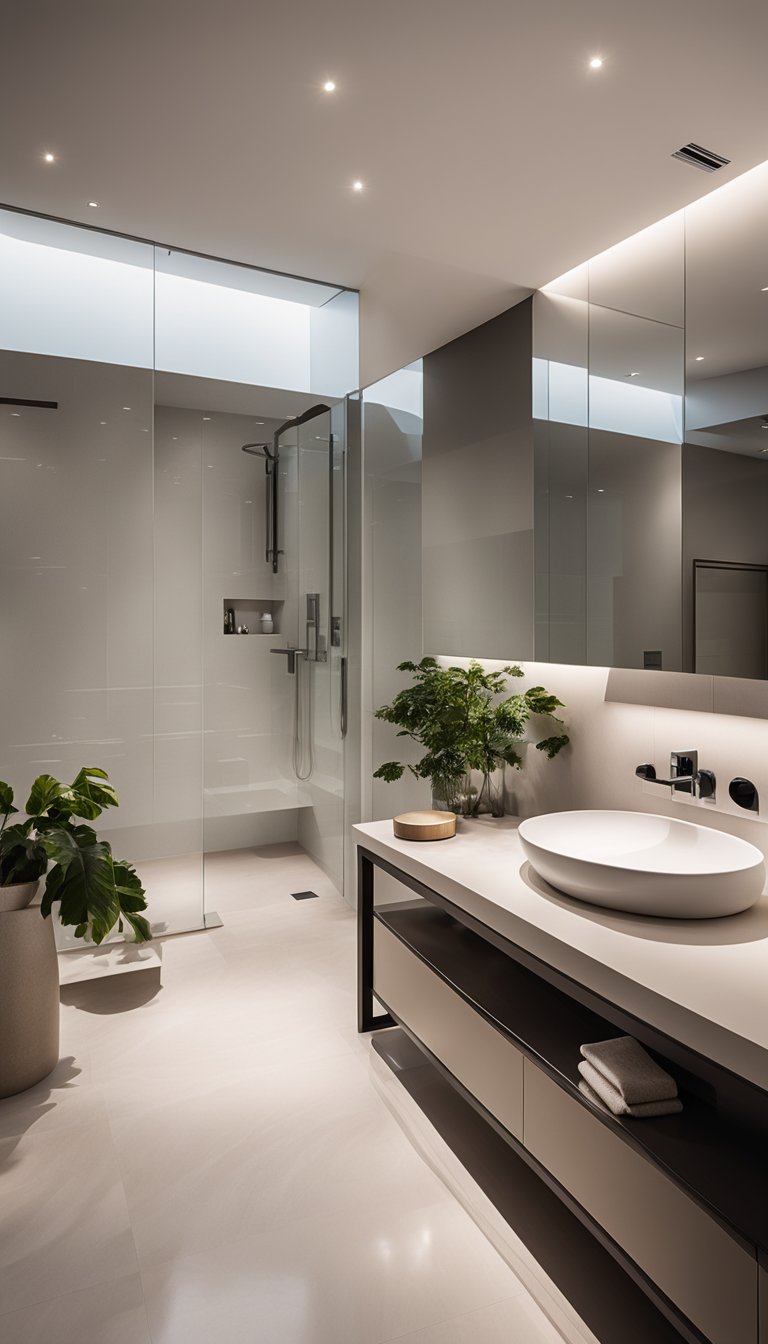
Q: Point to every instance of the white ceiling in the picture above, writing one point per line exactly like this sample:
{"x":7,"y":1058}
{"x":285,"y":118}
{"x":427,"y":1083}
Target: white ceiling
{"x":494,"y":159}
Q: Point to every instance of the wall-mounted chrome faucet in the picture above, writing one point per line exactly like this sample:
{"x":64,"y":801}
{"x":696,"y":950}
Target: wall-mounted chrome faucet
{"x":685,"y":776}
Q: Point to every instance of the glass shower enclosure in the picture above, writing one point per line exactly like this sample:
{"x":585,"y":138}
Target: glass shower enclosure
{"x":310,"y":661}
{"x":131,"y":522}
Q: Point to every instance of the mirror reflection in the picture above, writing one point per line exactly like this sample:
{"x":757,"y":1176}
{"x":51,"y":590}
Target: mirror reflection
{"x":651,"y":446}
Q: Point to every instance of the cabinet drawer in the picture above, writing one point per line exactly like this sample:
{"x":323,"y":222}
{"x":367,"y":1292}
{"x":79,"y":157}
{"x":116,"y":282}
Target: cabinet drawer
{"x":487,"y":1064}
{"x":707,"y":1274}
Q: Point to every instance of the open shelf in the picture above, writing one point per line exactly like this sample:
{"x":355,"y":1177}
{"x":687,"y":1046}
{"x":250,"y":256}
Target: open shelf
{"x":249,"y":610}
{"x":720,"y":1163}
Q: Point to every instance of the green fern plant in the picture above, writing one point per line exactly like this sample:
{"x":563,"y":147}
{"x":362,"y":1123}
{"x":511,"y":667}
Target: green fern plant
{"x":95,"y":891}
{"x":455,"y":714}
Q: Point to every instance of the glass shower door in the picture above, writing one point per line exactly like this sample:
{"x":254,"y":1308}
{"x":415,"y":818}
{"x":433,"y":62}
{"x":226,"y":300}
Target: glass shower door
{"x":319,"y":577}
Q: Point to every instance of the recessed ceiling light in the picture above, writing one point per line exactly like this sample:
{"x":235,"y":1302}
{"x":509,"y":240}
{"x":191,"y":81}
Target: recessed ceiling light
{"x":634,"y":374}
{"x":699,"y":358}
{"x":600,"y":490}
{"x":126,"y":408}
{"x":206,"y":417}
{"x":329,"y":86}
{"x":102,"y":422}
{"x":49,"y":158}
{"x":764,"y":290}
{"x":258,"y":422}
{"x":16,"y":413}
{"x":596,"y":63}
{"x":357,"y":185}
{"x":94,"y":205}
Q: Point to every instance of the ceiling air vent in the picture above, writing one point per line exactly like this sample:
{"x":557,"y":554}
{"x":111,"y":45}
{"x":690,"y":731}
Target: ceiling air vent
{"x":700,"y":158}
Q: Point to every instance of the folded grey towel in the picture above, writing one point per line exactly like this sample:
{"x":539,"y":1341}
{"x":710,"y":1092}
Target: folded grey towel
{"x":586,"y":1091}
{"x":597,"y":1083}
{"x":630,"y":1070}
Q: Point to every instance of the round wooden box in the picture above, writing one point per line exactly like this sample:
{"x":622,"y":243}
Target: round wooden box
{"x":424,"y":825}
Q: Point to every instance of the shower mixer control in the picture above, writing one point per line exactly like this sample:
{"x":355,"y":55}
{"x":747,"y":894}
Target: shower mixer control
{"x":316,"y":651}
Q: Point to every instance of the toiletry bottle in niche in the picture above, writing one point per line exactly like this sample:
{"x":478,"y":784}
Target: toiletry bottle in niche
{"x":267,"y":624}
{"x":229,"y":621}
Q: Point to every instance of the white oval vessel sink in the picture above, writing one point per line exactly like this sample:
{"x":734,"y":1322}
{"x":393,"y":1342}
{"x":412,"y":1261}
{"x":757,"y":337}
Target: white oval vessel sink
{"x":641,"y":862}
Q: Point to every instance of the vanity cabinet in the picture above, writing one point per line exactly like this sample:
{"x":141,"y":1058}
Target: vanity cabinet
{"x":487,"y":1064}
{"x":679,"y":1200}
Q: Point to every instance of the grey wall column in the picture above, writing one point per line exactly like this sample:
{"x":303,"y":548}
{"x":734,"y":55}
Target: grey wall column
{"x":477,"y":502}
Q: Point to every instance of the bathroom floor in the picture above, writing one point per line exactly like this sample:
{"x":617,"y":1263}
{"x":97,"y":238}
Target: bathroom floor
{"x":213,"y":1160}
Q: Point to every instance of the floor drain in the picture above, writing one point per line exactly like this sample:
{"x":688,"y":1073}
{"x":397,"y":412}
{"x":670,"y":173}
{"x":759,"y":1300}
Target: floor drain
{"x":304,"y":895}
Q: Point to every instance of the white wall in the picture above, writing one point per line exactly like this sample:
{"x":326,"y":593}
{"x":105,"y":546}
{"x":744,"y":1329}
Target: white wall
{"x":610,"y":738}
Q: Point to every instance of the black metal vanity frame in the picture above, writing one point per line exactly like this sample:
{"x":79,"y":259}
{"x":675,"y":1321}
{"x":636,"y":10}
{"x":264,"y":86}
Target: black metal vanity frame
{"x":723,"y":1169}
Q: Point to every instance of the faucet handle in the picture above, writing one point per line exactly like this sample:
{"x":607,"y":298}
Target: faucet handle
{"x":646,"y":771}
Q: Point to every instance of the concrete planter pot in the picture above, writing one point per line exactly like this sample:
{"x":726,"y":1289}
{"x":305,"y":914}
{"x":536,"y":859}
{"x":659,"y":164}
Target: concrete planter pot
{"x":19,"y":895}
{"x":29,"y":998}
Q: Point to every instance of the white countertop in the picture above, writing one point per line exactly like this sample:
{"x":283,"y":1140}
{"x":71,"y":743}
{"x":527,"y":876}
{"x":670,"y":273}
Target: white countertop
{"x":703,"y":982}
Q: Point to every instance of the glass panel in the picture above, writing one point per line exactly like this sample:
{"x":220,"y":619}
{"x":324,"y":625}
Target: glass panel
{"x":319,"y":745}
{"x":561,"y":346}
{"x":731,"y":621}
{"x":77,"y":583}
{"x":634,"y":496}
{"x":391,"y":560}
{"x":725,"y":461}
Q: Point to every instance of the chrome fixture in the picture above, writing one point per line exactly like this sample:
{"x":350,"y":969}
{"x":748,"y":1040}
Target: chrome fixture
{"x":272,"y":459}
{"x":316,"y":651}
{"x":685,"y":776}
{"x":291,"y":654}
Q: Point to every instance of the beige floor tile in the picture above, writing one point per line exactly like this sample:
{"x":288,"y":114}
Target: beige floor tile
{"x":67,"y":1097}
{"x":111,"y":1313}
{"x":516,"y":1320}
{"x":225,"y":1134}
{"x":267,"y":1151}
{"x":65,"y":1219}
{"x":358,"y":1280}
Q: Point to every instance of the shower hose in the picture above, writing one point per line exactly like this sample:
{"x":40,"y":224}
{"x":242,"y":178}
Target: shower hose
{"x":303,"y":735}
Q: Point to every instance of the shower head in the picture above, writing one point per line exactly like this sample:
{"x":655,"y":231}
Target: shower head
{"x":258,"y":450}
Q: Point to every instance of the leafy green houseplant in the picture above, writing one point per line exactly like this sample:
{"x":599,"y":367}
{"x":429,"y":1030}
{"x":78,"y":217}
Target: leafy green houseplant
{"x":455,"y":713}
{"x":95,"y":891}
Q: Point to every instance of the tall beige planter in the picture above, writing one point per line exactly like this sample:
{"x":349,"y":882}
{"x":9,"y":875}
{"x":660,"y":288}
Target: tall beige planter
{"x":29,"y":999}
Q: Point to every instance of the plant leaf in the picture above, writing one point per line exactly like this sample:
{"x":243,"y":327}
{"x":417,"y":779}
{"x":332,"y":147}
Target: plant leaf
{"x":132,"y":898}
{"x":6,"y":800}
{"x":45,"y":791}
{"x":86,"y":889}
{"x":140,"y":927}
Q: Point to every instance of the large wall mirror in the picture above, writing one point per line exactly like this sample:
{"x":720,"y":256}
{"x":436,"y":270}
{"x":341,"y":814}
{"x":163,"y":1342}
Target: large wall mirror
{"x":651,"y":446}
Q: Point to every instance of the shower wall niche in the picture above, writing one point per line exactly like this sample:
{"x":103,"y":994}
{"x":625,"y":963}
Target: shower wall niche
{"x":129,"y":519}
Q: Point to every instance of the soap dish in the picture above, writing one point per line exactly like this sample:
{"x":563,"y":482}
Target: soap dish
{"x":424,"y":825}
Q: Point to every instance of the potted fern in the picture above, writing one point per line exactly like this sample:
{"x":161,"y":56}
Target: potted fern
{"x":467,"y":732}
{"x":94,"y":890}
